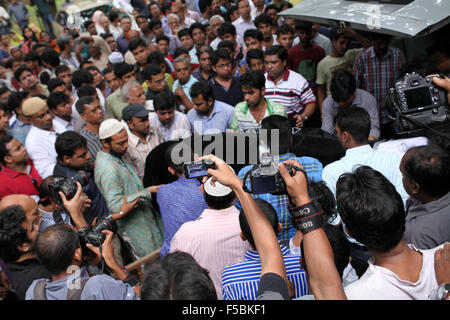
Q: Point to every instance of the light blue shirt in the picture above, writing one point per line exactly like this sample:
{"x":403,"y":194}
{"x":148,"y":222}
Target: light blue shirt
{"x":186,"y":87}
{"x":218,"y":121}
{"x":193,"y":55}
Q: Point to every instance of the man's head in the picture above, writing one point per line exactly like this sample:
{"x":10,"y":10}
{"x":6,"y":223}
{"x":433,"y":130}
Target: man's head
{"x":89,"y":26}
{"x":139,"y":49}
{"x":173,"y":22}
{"x":279,"y":128}
{"x":204,"y":54}
{"x":202,"y":97}
{"x":255,"y":60}
{"x":90,"y":110}
{"x":227,"y":31}
{"x":252,"y":39}
{"x":72,"y":150}
{"x":340,"y":42}
{"x":125,"y":23}
{"x":111,"y":79}
{"x":32,"y":60}
{"x":352,"y":126}
{"x":65,"y":74}
{"x":163,"y":43}
{"x":15,"y":101}
{"x":132,"y":92}
{"x":198,"y":33}
{"x":110,"y":41}
{"x":27,"y":80}
{"x":371,"y":209}
{"x":65,"y":42}
{"x":170,"y":156}
{"x":60,"y":104}
{"x":228,"y":45}
{"x":215,"y":22}
{"x":343,"y":88}
{"x":264,"y":24}
{"x":113,"y":137}
{"x":56,"y":85}
{"x":39,"y":113}
{"x":12,"y":152}
{"x":142,"y":22}
{"x":81,"y":77}
{"x":19,"y":225}
{"x":124,"y":72}
{"x":182,"y":69}
{"x":185,"y":38}
{"x":97,"y":76}
{"x":244,"y":9}
{"x":304,"y":30}
{"x":426,"y":172}
{"x":272,"y":10}
{"x":268,"y":211}
{"x":58,"y":247}
{"x":222,"y":63}
{"x":136,"y":117}
{"x":253,"y":88}
{"x":164,"y":105}
{"x":380,"y":43}
{"x":217,"y":197}
{"x":4,"y":117}
{"x":440,"y":56}
{"x":285,"y":36}
{"x":154,"y":77}
{"x":156,"y":26}
{"x":275,"y":60}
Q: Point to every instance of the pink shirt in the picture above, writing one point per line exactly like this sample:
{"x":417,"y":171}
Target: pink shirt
{"x":214,"y":242}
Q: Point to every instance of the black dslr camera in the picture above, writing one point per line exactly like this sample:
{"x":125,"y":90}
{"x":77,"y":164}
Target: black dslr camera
{"x":94,"y":235}
{"x":197,"y":169}
{"x":68,"y":186}
{"x":416,"y":101}
{"x":265,"y":178}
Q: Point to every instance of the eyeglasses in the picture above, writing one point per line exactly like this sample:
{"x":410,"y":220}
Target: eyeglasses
{"x":221,"y":66}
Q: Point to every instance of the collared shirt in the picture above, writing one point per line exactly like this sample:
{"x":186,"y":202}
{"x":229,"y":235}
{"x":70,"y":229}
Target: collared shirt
{"x":115,"y":104}
{"x":93,"y":142}
{"x":292,"y":91}
{"x":280,"y":203}
{"x":13,"y":182}
{"x":241,"y":25}
{"x":328,"y":66}
{"x":186,"y":87}
{"x":218,"y":121}
{"x":428,"y":224}
{"x":362,"y":99}
{"x":379,"y":283}
{"x":65,"y":124}
{"x":180,"y":127}
{"x":40,"y":146}
{"x":150,"y":95}
{"x":79,"y":122}
{"x":197,"y":74}
{"x":50,"y":218}
{"x":176,"y":208}
{"x":19,"y":130}
{"x":193,"y":55}
{"x":378,"y":75}
{"x":232,"y":96}
{"x":214,"y":242}
{"x":138,"y":150}
{"x":324,"y":42}
{"x":99,"y":287}
{"x":117,"y":177}
{"x":243,"y":119}
{"x":241,"y":280}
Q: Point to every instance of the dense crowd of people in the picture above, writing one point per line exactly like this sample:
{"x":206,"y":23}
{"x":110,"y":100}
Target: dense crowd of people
{"x":82,"y":111}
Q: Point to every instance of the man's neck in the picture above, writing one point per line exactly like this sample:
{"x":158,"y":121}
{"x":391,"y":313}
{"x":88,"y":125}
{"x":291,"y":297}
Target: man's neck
{"x":142,"y":137}
{"x":34,"y":90}
{"x":247,"y":19}
{"x":22,"y":118}
{"x":305,"y":46}
{"x":66,"y":118}
{"x":425,"y":198}
{"x":92,"y":127}
{"x":18,"y":167}
{"x":353,"y":145}
{"x":226,"y":81}
{"x":335,"y":54}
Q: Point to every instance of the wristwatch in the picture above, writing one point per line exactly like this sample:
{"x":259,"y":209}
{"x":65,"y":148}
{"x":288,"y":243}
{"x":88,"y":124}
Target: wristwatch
{"x":443,"y":291}
{"x":304,"y":117}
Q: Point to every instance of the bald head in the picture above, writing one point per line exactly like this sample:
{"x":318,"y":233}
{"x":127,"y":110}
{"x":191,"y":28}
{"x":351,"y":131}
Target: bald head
{"x":17,"y":199}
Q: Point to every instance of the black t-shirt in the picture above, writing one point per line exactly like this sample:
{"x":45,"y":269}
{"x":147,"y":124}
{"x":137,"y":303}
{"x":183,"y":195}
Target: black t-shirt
{"x":24,"y":273}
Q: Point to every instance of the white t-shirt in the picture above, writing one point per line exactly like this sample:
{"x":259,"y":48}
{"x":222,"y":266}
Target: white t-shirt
{"x":379,"y":283}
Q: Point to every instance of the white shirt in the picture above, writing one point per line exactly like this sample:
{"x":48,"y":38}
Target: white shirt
{"x":379,"y":283}
{"x":216,"y":41}
{"x":320,"y":40}
{"x":180,"y":128}
{"x":40,"y":146}
{"x":64,"y":123}
{"x":241,"y":25}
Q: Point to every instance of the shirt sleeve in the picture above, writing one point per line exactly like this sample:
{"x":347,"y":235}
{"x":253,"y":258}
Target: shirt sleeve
{"x":321,"y":77}
{"x":358,"y":72}
{"x":327,"y":116}
{"x":234,"y":124}
{"x":43,"y":164}
{"x":374,"y":117}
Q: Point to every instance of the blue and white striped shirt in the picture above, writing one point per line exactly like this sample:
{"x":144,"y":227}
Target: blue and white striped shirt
{"x":240,"y":281}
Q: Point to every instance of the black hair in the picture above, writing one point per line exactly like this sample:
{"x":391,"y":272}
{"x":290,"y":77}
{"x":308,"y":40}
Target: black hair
{"x":21,"y":70}
{"x":183,"y":32}
{"x":356,"y":121}
{"x":162,"y":37}
{"x":56,"y":246}
{"x":285,"y":29}
{"x":429,"y":167}
{"x":253,"y":33}
{"x":303,"y":25}
{"x":279,"y":124}
{"x":219,"y":203}
{"x":371,"y":208}
{"x":12,"y":234}
{"x":335,"y":34}
{"x":3,"y":150}
{"x":67,"y":142}
{"x":204,"y":48}
{"x":271,"y":6}
{"x":135,"y":43}
{"x":113,"y":15}
{"x":54,"y":83}
{"x":278,"y":50}
{"x":203,"y":4}
{"x":108,"y":70}
{"x":4,"y":89}
{"x":221,"y":53}
{"x":179,"y":51}
{"x":32,"y":56}
{"x":164,"y":100}
{"x":226,"y":28}
{"x":50,"y":57}
{"x":226,"y":44}
{"x":268,"y":211}
{"x":263,"y":18}
{"x":154,"y":22}
{"x":106,"y":35}
{"x":156,"y":57}
{"x":201,"y":88}
{"x":86,"y":90}
{"x":82,"y":101}
{"x":16,"y":98}
{"x":168,"y":158}
{"x":150,"y":70}
{"x":62,"y":68}
{"x":343,"y":85}
{"x":196,"y":25}
{"x":255,"y":54}
{"x":87,"y":23}
{"x":122,"y":68}
{"x":84,"y":63}
{"x":322,"y":198}
{"x":56,"y":98}
{"x":80,"y":77}
{"x":253,"y":79}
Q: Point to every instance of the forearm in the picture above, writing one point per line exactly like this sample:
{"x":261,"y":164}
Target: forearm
{"x":309,"y":109}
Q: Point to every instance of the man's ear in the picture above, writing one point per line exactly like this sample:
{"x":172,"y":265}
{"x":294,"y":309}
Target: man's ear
{"x":24,"y":247}
{"x":415,"y":187}
{"x":348,"y":231}
{"x":66,"y":160}
{"x":171,"y":171}
{"x":280,"y":227}
{"x":78,"y":255}
{"x":242,"y":236}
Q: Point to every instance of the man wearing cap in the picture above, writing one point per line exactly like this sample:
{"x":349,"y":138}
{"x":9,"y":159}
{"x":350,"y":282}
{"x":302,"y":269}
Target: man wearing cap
{"x":141,"y":137}
{"x":116,"y":176}
{"x":40,"y":141}
{"x":214,"y":238}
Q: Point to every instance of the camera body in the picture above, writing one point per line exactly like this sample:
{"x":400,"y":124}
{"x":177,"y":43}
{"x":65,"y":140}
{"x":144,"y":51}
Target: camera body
{"x":68,"y":186}
{"x":94,"y":235}
{"x":197,"y":169}
{"x":418,"y":99}
{"x":267,"y":179}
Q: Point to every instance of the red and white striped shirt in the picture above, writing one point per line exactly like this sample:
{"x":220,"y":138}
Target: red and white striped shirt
{"x":292,"y":91}
{"x":214,"y":242}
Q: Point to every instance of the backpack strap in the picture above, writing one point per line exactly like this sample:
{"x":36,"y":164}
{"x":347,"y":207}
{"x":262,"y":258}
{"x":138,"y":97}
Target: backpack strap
{"x":75,"y":294}
{"x":39,"y":290}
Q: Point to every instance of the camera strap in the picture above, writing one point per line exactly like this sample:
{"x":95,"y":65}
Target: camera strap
{"x":307,"y":217}
{"x":244,"y":180}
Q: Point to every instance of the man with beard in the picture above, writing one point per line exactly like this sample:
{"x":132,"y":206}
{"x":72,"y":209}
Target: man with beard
{"x":249,"y":113}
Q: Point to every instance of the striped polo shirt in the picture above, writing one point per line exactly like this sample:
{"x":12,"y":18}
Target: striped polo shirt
{"x":240,"y":281}
{"x":292,"y":91}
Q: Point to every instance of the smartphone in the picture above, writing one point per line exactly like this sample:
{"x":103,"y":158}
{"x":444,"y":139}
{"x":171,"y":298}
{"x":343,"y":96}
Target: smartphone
{"x":197,"y":169}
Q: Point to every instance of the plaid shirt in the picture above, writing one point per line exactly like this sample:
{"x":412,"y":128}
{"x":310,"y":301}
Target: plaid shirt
{"x":280,"y":203}
{"x":377,"y":76}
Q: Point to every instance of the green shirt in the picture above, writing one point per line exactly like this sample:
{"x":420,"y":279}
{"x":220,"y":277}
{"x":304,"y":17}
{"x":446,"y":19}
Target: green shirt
{"x":243,"y":119}
{"x":115,"y":105}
